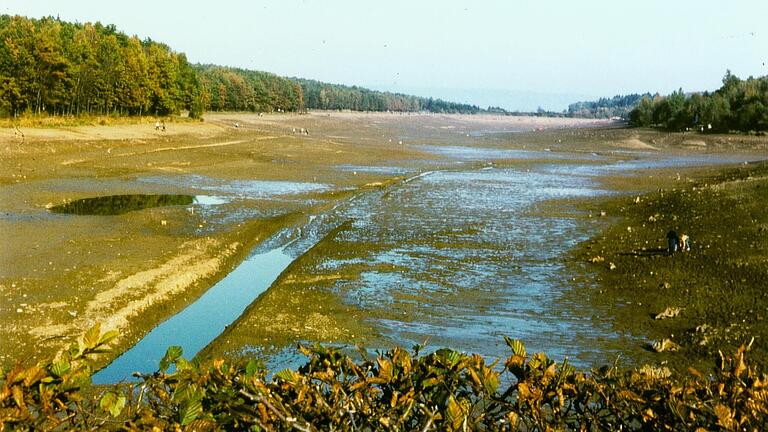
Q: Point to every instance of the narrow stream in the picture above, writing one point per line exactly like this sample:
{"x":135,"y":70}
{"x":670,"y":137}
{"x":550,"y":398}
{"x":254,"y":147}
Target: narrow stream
{"x":203,"y":320}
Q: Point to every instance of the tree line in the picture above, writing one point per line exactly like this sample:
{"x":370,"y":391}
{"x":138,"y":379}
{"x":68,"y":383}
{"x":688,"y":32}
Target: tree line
{"x":738,"y":105}
{"x":617,"y":106}
{"x":53,"y":67}
{"x":233,"y":89}
{"x":320,"y":95}
{"x":59,"y":68}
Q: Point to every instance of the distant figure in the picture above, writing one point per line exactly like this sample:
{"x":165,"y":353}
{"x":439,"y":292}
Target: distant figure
{"x":237,"y":125}
{"x":157,"y":125}
{"x":163,"y":126}
{"x":306,"y":131}
{"x":673,"y":242}
{"x":685,"y":243}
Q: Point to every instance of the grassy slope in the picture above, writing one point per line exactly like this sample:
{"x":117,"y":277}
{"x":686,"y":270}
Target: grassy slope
{"x":720,"y":284}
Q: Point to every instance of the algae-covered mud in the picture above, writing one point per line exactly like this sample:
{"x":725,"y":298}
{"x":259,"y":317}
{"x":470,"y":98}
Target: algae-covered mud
{"x":392,"y":229}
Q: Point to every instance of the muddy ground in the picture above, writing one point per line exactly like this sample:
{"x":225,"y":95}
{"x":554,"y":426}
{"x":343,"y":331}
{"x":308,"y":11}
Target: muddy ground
{"x":60,"y":274}
{"x":709,"y":299}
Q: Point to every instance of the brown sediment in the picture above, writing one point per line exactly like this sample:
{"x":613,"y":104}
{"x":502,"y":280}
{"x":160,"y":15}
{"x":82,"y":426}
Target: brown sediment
{"x":60,"y":274}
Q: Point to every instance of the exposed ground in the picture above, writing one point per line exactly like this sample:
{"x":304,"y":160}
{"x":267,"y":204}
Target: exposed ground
{"x":709,"y":299}
{"x":60,"y":274}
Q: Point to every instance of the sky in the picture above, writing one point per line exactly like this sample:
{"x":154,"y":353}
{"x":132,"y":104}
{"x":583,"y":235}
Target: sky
{"x":515,"y":54}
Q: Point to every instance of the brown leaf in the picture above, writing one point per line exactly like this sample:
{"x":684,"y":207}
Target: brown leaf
{"x":454,"y":413}
{"x":33,"y":375}
{"x":630,"y":395}
{"x":18,"y":397}
{"x":512,"y":418}
{"x":724,"y":417}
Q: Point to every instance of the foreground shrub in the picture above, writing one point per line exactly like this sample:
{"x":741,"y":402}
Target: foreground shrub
{"x":397,"y":390}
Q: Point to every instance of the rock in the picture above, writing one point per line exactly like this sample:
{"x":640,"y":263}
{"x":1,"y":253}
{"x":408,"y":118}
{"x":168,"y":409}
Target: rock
{"x":603,"y":214}
{"x":670,"y":312}
{"x":665,"y":345}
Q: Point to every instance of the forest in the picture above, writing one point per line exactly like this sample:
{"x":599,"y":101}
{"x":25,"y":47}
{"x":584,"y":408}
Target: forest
{"x":233,"y":89}
{"x":739,"y":105}
{"x":319,"y":95}
{"x":52,"y":67}
{"x":617,"y":106}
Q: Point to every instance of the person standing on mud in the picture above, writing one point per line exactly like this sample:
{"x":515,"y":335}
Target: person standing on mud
{"x":673,"y":242}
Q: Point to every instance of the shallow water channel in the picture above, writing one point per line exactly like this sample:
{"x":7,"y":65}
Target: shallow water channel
{"x":458,"y":256}
{"x":203,"y":320}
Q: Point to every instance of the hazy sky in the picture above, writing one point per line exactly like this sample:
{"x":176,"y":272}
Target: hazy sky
{"x":589,"y":48}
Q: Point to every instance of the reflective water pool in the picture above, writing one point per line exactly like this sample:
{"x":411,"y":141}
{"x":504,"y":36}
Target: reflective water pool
{"x":119,"y":204}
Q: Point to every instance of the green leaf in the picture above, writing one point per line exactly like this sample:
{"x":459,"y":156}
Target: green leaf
{"x":285,"y":375}
{"x":448,"y":357}
{"x":183,"y":364}
{"x":112,"y":403}
{"x":171,"y":355}
{"x":252,"y":368}
{"x":518,"y":348}
{"x":190,"y":411}
{"x":92,"y":336}
{"x":60,"y":368}
{"x":108,"y":336}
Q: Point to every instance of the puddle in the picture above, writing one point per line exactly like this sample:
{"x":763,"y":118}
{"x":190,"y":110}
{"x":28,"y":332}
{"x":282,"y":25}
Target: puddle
{"x":391,"y":170}
{"x":483,"y":153}
{"x":198,"y":324}
{"x":207,"y":200}
{"x":635,"y":166}
{"x":243,"y":189}
{"x":119,"y":204}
